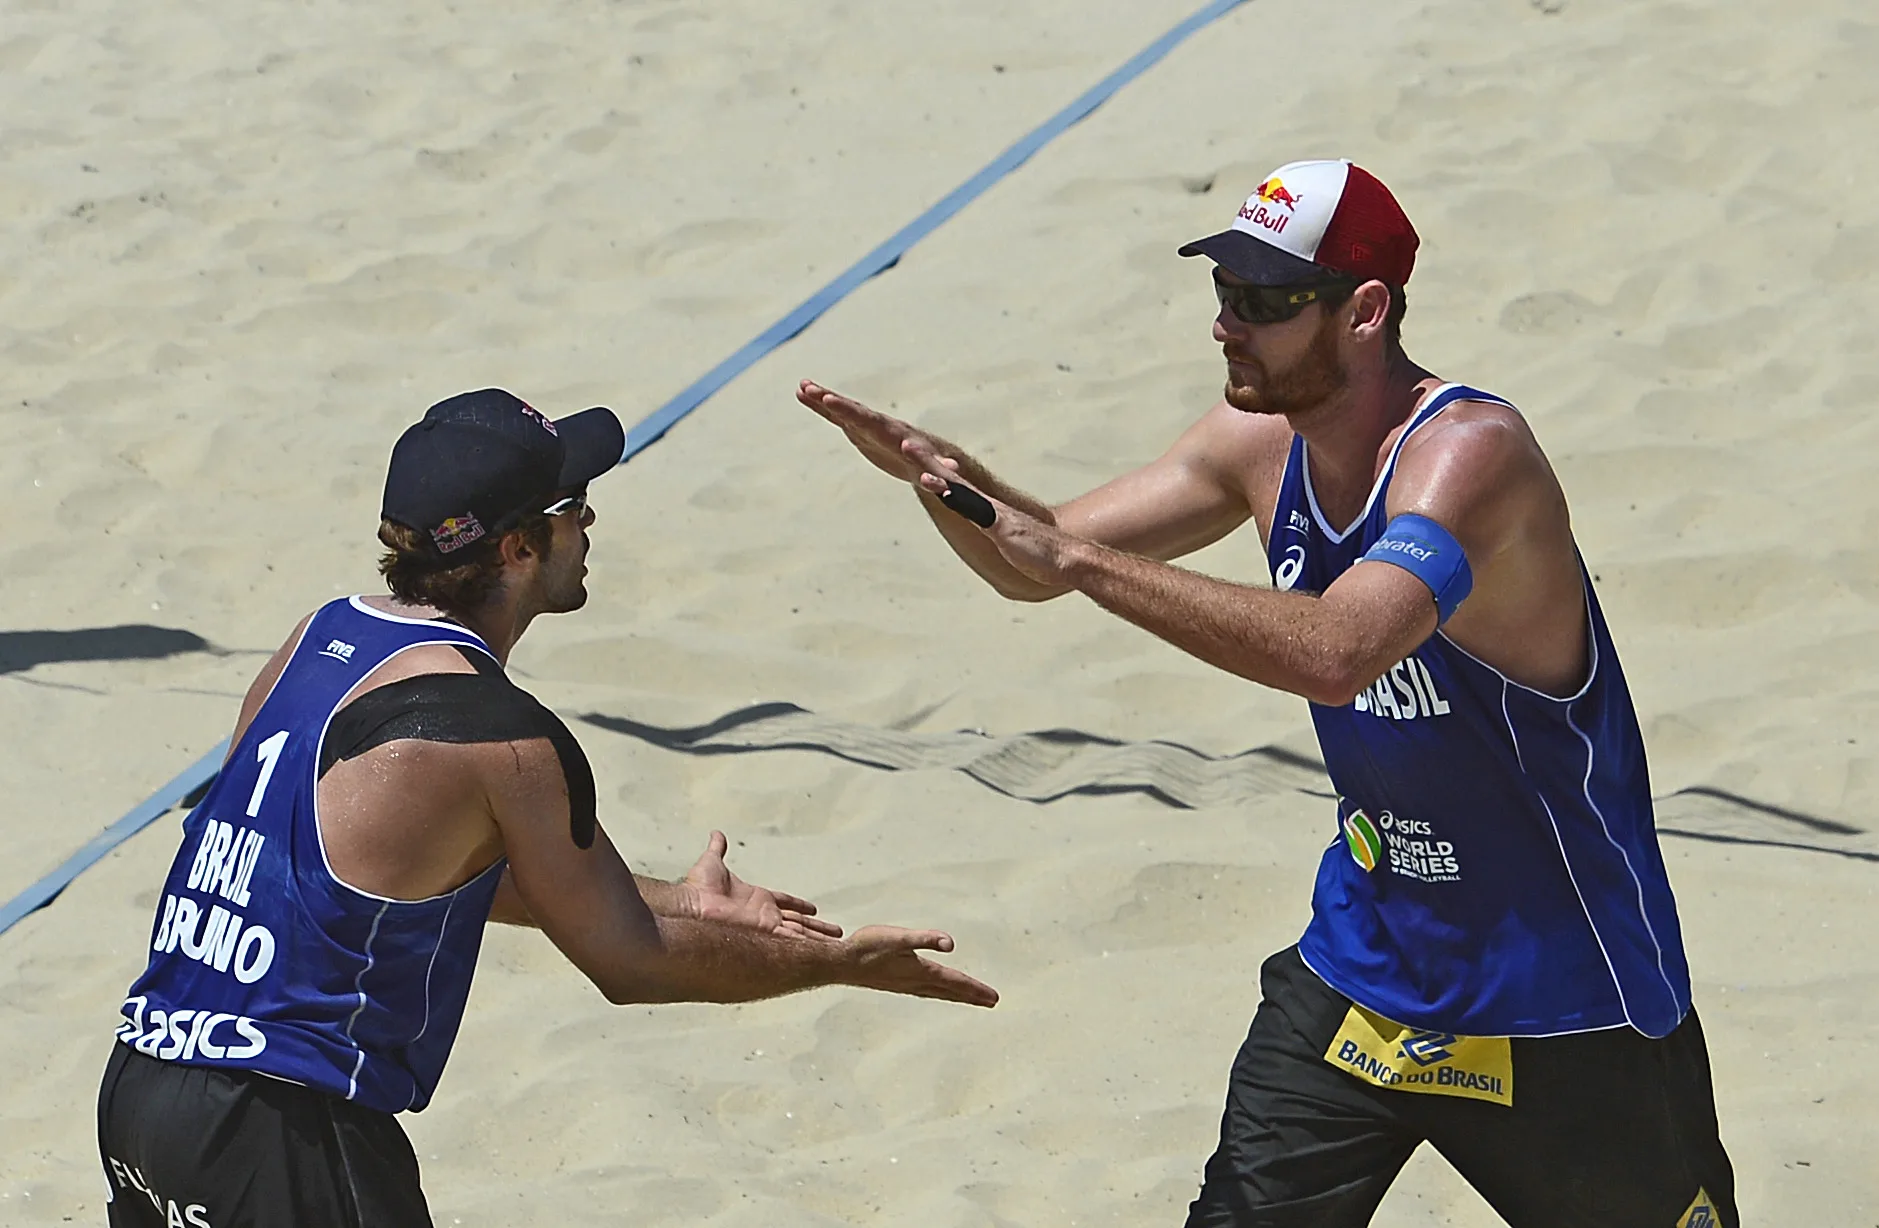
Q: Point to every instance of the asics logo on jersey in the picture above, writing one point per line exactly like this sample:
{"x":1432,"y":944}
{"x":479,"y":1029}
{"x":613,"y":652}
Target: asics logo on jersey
{"x":1405,"y":692}
{"x":1397,"y":843}
{"x":339,"y":650}
{"x":184,"y":1032}
{"x":1286,"y":574}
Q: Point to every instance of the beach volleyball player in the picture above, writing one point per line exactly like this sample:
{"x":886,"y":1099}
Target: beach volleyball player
{"x":389,"y":790}
{"x":1493,"y":963}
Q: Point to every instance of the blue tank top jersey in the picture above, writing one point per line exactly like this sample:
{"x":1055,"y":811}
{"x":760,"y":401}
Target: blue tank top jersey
{"x":261,"y":959}
{"x":1496,"y":870}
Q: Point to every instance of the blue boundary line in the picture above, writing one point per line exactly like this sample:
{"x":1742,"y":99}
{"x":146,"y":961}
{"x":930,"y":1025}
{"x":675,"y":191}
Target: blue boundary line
{"x":155,"y":807}
{"x":650,"y":429}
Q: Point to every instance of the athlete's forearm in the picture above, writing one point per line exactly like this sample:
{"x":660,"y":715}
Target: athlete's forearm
{"x":1282,"y":640}
{"x":664,"y":898}
{"x":971,"y":545}
{"x":706,"y":961}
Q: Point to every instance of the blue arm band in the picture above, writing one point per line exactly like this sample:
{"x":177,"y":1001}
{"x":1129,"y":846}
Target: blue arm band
{"x":1430,"y":553}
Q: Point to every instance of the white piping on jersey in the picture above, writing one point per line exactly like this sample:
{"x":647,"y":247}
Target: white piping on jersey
{"x":357,"y":602}
{"x":319,"y":837}
{"x":1432,"y":406}
{"x":429,"y":969}
{"x":1610,"y":968}
{"x":1565,"y":859}
{"x":1591,"y":647}
{"x":1603,"y":1027}
{"x":1625,"y":856}
{"x":358,"y":986}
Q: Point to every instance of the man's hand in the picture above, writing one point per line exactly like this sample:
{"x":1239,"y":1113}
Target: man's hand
{"x":720,"y":896}
{"x":883,"y":440}
{"x":1038,"y":551}
{"x":910,"y":454}
{"x":887,"y":958}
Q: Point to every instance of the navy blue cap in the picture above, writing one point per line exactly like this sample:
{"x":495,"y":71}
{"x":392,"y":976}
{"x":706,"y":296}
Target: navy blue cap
{"x":480,"y":461}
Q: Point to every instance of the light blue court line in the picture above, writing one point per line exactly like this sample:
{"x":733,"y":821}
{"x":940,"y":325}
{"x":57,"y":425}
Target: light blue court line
{"x":47,"y":889}
{"x":650,"y":429}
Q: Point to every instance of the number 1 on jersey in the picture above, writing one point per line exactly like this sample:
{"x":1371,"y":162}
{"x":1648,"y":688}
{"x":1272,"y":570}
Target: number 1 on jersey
{"x":268,"y":753}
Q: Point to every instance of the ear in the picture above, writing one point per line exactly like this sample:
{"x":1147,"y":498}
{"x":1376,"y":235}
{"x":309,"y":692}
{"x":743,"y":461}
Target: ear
{"x":515,"y":549}
{"x":1369,"y":307}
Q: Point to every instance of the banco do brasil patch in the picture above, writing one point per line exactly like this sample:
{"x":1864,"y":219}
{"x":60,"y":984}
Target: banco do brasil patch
{"x":1405,"y":1059}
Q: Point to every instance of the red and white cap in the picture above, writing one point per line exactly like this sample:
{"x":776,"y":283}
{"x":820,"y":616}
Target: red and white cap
{"x":1312,"y":218}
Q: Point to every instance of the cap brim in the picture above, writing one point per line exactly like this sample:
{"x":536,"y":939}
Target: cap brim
{"x":1254,"y":260}
{"x":591,"y":442}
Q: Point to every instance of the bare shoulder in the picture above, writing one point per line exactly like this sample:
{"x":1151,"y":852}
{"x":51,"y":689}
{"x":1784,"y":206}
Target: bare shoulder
{"x":1240,"y":439}
{"x":1474,"y":450}
{"x":1242,"y":450}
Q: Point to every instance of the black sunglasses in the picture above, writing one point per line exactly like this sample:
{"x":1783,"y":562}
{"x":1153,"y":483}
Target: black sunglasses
{"x":1273,"y":304}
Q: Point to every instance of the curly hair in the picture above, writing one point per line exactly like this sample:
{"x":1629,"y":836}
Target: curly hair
{"x":413,"y":575}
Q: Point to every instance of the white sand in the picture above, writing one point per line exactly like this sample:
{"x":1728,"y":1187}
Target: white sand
{"x":244,"y":244}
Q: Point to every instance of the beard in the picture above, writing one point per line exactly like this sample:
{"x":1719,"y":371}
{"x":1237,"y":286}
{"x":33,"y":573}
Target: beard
{"x":1315,"y":378}
{"x":563,"y":572}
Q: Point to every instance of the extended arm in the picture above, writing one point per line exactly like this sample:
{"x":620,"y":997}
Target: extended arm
{"x":1186,"y":499}
{"x":664,"y":899}
{"x":1483,"y":481}
{"x":708,"y":892}
{"x":1325,"y":648}
{"x":588,"y":903}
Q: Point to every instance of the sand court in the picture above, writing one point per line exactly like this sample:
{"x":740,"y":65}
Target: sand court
{"x":246,"y":245}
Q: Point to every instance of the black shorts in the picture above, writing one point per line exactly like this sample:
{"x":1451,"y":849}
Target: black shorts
{"x":1608,"y":1129}
{"x":211,"y":1148}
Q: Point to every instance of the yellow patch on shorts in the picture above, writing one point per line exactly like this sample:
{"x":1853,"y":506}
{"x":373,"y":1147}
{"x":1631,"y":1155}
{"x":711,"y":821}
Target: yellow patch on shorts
{"x":1406,"y":1059}
{"x":1702,"y":1212}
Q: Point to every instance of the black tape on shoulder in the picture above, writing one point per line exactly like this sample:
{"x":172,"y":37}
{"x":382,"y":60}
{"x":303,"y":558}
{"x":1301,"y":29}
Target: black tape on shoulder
{"x":462,"y":708}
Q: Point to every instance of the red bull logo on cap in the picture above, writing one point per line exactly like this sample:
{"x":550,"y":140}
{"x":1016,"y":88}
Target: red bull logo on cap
{"x":456,"y":532}
{"x":1274,"y":192}
{"x":1271,"y":205}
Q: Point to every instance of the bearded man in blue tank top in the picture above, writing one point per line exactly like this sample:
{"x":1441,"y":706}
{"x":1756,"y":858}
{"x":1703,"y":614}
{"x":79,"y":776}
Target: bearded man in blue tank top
{"x":388,"y":791}
{"x":1493,"y":963}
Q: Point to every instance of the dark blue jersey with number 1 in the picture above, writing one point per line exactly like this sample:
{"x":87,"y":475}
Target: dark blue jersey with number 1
{"x":1496,"y":869}
{"x":263,"y":960}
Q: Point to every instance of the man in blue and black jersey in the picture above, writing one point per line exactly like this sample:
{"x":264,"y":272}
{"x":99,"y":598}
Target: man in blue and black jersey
{"x":388,"y":792}
{"x":1493,"y":963}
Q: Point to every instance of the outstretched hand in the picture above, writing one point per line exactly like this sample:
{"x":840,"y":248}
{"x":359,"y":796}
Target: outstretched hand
{"x":887,"y":958}
{"x":896,"y":448}
{"x":719,"y":895}
{"x":1038,"y":551}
